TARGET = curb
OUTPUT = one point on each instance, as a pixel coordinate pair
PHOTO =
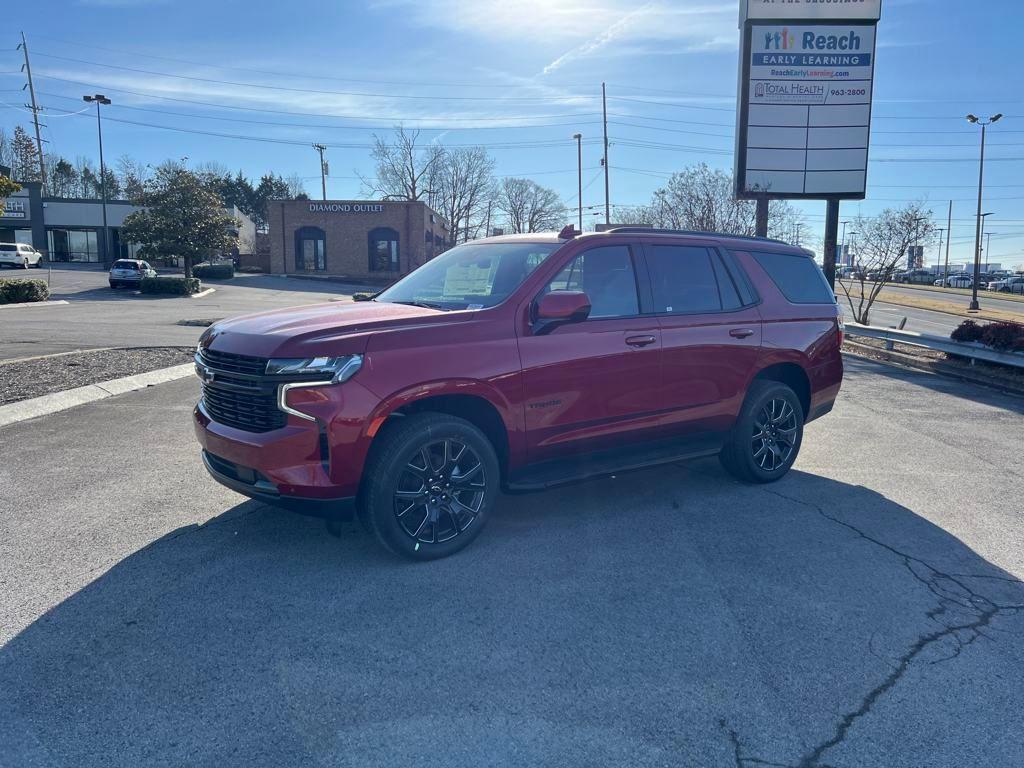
(61, 401)
(34, 304)
(937, 367)
(200, 295)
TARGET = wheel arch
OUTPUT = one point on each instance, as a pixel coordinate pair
(794, 376)
(471, 401)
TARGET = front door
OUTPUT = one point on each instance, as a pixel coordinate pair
(711, 339)
(593, 385)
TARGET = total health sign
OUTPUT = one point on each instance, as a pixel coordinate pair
(803, 124)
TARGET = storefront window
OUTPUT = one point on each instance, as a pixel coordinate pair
(73, 245)
(310, 249)
(384, 254)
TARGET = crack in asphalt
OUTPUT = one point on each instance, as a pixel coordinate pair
(953, 594)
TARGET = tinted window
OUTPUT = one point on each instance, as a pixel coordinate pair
(683, 280)
(607, 277)
(8, 247)
(470, 276)
(797, 276)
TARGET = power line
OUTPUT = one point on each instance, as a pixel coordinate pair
(318, 91)
(422, 118)
(306, 125)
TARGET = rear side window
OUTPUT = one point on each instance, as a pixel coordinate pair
(687, 279)
(797, 276)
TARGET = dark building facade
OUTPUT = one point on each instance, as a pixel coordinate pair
(365, 239)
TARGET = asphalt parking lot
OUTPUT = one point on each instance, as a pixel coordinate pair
(864, 611)
(98, 316)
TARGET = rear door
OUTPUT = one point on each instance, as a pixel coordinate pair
(593, 385)
(710, 331)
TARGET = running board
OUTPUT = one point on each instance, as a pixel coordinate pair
(548, 474)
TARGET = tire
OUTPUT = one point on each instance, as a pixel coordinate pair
(755, 459)
(113, 284)
(411, 499)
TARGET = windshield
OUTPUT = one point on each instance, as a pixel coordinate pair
(471, 276)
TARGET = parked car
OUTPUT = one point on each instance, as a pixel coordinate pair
(1009, 285)
(522, 362)
(19, 255)
(956, 281)
(129, 273)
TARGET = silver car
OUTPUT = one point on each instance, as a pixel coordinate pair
(129, 273)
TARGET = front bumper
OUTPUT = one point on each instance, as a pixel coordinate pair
(251, 483)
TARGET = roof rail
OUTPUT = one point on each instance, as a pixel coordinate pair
(658, 231)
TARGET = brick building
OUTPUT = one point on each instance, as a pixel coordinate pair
(366, 239)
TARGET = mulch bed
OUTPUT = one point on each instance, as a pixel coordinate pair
(22, 379)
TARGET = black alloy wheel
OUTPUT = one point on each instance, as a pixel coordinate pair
(440, 492)
(774, 439)
(766, 438)
(429, 485)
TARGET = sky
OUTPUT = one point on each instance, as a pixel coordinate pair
(251, 84)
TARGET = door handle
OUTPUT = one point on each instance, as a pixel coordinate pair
(741, 333)
(640, 341)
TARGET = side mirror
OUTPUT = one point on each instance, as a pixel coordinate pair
(559, 308)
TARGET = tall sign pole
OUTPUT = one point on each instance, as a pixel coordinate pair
(804, 117)
(35, 110)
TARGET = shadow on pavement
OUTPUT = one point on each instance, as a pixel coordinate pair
(667, 617)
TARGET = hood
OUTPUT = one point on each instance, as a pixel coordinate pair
(334, 328)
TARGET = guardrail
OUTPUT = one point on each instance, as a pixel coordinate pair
(971, 350)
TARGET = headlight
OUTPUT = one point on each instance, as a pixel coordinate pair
(339, 369)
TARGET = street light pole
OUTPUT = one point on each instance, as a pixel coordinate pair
(579, 172)
(981, 185)
(842, 248)
(938, 261)
(99, 98)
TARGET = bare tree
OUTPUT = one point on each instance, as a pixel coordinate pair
(6, 153)
(133, 175)
(882, 242)
(402, 165)
(296, 187)
(700, 198)
(529, 207)
(462, 182)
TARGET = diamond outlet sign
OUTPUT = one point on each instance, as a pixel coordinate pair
(805, 99)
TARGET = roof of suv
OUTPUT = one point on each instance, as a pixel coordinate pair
(733, 241)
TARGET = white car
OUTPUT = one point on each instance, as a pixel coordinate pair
(129, 273)
(1009, 285)
(956, 281)
(19, 255)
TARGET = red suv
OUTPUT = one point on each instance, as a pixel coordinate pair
(517, 363)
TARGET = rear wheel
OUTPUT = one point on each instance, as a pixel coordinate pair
(114, 284)
(429, 485)
(766, 438)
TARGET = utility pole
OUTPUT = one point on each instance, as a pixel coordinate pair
(579, 172)
(949, 236)
(323, 169)
(604, 162)
(35, 110)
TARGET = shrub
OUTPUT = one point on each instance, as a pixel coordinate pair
(1006, 337)
(214, 271)
(968, 330)
(251, 269)
(21, 291)
(175, 286)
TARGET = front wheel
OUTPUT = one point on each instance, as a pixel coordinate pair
(429, 485)
(766, 438)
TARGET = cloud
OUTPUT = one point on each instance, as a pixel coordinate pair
(618, 29)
